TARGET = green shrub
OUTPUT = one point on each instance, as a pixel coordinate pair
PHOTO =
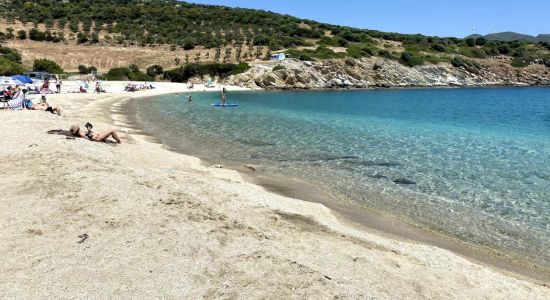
(327, 41)
(300, 55)
(86, 70)
(278, 67)
(37, 35)
(470, 66)
(118, 74)
(22, 34)
(470, 42)
(411, 60)
(127, 74)
(439, 48)
(46, 65)
(9, 67)
(155, 70)
(10, 54)
(343, 42)
(82, 69)
(183, 74)
(358, 51)
(520, 52)
(134, 68)
(81, 38)
(473, 52)
(480, 41)
(432, 59)
(385, 53)
(520, 62)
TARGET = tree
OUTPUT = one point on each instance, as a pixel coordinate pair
(22, 34)
(36, 35)
(480, 41)
(154, 70)
(82, 69)
(504, 49)
(9, 67)
(81, 38)
(46, 65)
(134, 68)
(470, 42)
(10, 54)
(439, 47)
(411, 60)
(95, 38)
(10, 35)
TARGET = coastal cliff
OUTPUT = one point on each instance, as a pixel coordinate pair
(386, 73)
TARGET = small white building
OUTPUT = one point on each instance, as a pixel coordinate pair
(278, 56)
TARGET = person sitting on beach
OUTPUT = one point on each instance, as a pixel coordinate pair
(82, 90)
(98, 88)
(8, 92)
(17, 100)
(100, 137)
(45, 89)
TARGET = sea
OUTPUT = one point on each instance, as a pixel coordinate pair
(471, 163)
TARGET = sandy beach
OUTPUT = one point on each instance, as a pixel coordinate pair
(81, 219)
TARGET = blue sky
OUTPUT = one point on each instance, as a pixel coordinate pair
(430, 17)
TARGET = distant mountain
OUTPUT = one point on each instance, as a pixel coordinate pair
(513, 36)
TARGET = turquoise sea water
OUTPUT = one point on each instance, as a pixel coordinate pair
(473, 163)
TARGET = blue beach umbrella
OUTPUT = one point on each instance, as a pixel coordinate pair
(22, 78)
(18, 82)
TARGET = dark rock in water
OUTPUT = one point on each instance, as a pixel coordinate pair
(378, 176)
(322, 157)
(404, 181)
(388, 164)
(255, 143)
(376, 163)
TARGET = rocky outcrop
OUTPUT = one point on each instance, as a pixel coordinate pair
(379, 72)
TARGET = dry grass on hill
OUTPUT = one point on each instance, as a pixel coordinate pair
(104, 56)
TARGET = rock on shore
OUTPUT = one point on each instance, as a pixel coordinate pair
(380, 72)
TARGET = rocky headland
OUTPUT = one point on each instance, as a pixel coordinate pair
(376, 72)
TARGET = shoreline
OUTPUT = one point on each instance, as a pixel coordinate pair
(360, 215)
(169, 207)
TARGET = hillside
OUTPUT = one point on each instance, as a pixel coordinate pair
(171, 34)
(513, 36)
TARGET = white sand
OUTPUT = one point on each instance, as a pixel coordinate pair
(161, 225)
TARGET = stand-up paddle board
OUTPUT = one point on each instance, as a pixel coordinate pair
(225, 105)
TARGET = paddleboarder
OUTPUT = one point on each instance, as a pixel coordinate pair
(223, 96)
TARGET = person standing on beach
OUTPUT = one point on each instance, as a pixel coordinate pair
(223, 96)
(58, 85)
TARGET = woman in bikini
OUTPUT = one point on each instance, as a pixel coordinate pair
(100, 137)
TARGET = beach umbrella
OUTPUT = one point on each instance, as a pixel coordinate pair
(18, 82)
(7, 81)
(22, 78)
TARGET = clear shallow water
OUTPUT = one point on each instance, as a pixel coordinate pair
(479, 158)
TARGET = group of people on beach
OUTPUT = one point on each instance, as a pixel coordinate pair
(132, 87)
(16, 99)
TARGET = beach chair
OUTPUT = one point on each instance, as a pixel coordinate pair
(4, 101)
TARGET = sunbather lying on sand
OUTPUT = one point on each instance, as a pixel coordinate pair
(100, 137)
(54, 109)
